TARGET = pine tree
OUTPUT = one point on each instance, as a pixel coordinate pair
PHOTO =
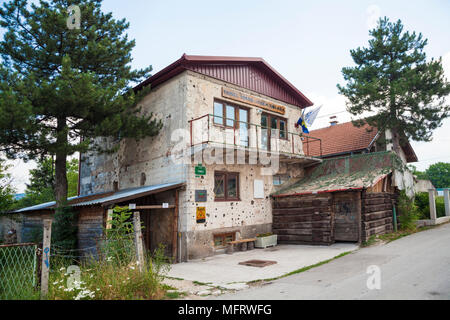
(394, 82)
(61, 88)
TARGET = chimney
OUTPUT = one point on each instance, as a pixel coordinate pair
(333, 121)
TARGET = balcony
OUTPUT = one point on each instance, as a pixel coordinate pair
(289, 146)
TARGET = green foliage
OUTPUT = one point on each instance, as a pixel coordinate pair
(6, 190)
(407, 212)
(439, 175)
(419, 174)
(423, 205)
(42, 183)
(57, 85)
(64, 229)
(393, 79)
(118, 247)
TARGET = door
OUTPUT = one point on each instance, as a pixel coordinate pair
(347, 216)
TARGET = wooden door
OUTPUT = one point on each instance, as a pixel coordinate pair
(347, 216)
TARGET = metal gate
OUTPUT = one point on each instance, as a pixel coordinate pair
(19, 267)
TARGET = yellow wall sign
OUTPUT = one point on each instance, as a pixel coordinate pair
(201, 214)
(254, 101)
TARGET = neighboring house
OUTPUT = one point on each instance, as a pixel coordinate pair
(348, 197)
(237, 109)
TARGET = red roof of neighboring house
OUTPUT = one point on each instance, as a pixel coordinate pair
(346, 138)
(342, 138)
(251, 73)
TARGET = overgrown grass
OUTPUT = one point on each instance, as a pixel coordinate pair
(109, 280)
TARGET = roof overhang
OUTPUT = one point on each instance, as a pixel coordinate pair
(186, 61)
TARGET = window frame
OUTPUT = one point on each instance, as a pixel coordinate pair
(270, 117)
(225, 175)
(236, 120)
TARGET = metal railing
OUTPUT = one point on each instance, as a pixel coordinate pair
(213, 129)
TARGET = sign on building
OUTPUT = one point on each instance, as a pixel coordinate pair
(201, 214)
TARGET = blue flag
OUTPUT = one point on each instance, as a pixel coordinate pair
(301, 122)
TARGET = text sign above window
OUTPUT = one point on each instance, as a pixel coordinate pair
(254, 101)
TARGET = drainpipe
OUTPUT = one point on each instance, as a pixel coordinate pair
(394, 211)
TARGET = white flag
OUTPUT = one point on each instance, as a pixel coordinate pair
(311, 117)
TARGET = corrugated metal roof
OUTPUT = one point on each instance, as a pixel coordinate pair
(131, 193)
(116, 197)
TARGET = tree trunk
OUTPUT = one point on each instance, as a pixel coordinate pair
(61, 165)
(395, 141)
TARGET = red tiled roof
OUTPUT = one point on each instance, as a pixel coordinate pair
(342, 138)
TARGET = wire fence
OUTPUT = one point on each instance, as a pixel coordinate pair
(19, 269)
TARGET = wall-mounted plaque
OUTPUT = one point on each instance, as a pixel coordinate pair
(200, 170)
(253, 100)
(201, 196)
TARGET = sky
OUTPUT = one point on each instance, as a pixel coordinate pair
(308, 42)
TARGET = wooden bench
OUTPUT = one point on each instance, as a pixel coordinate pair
(245, 244)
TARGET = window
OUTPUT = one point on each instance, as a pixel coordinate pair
(278, 126)
(278, 180)
(221, 240)
(226, 186)
(229, 115)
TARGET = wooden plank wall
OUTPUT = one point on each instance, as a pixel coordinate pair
(304, 219)
(90, 229)
(377, 215)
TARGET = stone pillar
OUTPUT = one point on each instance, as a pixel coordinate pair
(432, 196)
(447, 202)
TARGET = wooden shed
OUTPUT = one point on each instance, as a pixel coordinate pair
(160, 223)
(344, 199)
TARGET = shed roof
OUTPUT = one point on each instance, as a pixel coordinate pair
(251, 73)
(343, 174)
(107, 198)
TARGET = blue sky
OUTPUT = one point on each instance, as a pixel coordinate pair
(308, 42)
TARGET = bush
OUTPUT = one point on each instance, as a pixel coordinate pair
(408, 213)
(423, 205)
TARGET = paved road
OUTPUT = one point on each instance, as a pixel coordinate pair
(414, 267)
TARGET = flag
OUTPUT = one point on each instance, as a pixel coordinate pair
(301, 122)
(311, 117)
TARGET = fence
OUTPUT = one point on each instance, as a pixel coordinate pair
(19, 269)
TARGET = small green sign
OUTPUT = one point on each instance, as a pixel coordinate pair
(200, 170)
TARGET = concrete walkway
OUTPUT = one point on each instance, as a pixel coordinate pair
(224, 269)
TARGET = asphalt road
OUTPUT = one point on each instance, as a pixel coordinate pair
(414, 267)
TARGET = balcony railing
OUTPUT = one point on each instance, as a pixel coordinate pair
(251, 136)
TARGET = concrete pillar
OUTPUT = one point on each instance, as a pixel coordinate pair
(447, 202)
(432, 196)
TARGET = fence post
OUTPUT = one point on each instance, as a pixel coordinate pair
(138, 240)
(432, 198)
(45, 267)
(447, 202)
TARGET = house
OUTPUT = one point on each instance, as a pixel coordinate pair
(228, 142)
(351, 195)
